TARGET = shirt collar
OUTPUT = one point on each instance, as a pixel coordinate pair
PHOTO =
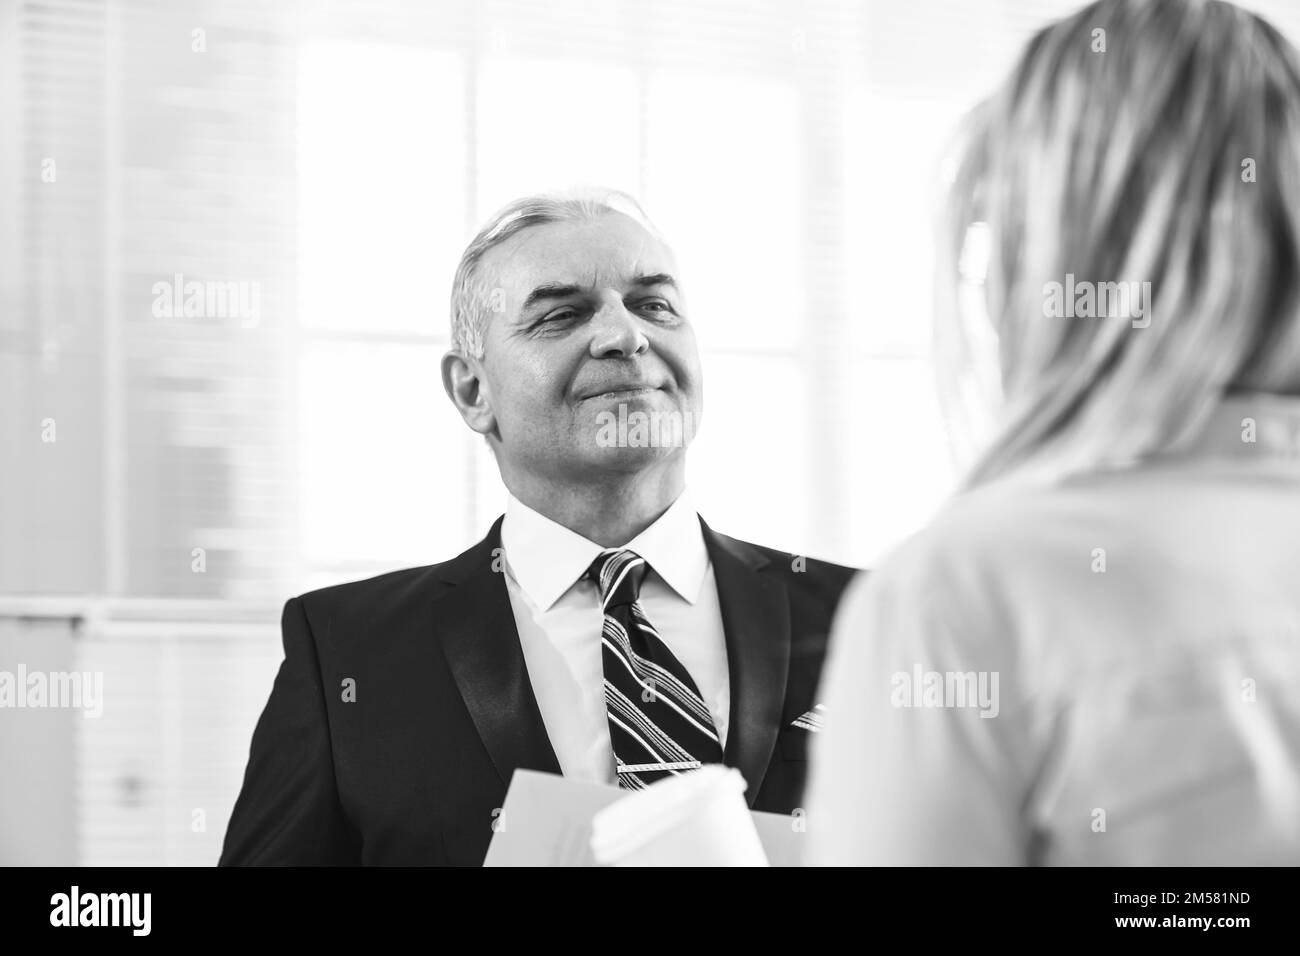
(546, 558)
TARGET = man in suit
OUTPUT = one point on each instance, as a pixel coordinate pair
(600, 630)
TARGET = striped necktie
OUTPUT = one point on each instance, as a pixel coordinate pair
(658, 723)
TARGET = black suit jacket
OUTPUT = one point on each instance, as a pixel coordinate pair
(410, 771)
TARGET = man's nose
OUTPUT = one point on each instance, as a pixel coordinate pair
(617, 333)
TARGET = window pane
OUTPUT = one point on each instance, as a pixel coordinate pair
(547, 125)
(900, 463)
(381, 185)
(384, 460)
(724, 185)
(749, 469)
(159, 770)
(892, 151)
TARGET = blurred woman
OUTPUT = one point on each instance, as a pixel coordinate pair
(1092, 654)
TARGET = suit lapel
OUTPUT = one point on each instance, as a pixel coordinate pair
(481, 644)
(482, 647)
(756, 621)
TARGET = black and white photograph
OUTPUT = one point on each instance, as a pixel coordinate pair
(651, 433)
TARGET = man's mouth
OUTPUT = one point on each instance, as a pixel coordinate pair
(619, 391)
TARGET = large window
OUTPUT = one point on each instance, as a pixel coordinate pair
(811, 323)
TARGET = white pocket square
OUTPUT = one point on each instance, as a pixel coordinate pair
(814, 720)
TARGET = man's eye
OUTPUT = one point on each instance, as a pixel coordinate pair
(656, 305)
(560, 315)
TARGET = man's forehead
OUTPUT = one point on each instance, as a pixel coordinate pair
(610, 250)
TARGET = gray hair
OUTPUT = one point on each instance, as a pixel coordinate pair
(472, 302)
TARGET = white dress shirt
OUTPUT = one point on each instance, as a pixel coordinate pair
(1144, 626)
(560, 620)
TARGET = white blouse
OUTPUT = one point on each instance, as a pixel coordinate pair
(1104, 672)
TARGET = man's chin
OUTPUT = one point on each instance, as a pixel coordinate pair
(644, 428)
(628, 459)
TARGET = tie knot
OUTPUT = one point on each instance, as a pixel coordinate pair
(618, 573)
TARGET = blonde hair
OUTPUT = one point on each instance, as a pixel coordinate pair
(471, 299)
(1128, 163)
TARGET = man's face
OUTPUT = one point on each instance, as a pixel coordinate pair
(593, 331)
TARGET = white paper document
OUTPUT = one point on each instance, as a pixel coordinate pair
(546, 821)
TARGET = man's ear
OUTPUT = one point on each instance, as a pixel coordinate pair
(462, 377)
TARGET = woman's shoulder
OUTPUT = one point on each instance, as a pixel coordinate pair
(996, 531)
(990, 557)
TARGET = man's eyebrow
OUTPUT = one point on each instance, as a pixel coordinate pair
(550, 290)
(555, 290)
(659, 278)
